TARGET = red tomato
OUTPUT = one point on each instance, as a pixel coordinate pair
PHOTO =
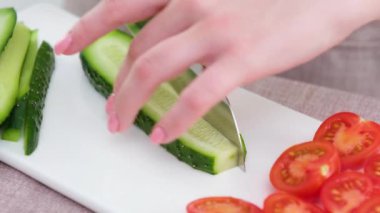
(376, 192)
(346, 191)
(353, 137)
(222, 205)
(286, 203)
(370, 206)
(372, 169)
(303, 168)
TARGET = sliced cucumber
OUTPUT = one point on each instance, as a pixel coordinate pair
(15, 122)
(8, 19)
(11, 61)
(135, 28)
(202, 147)
(30, 60)
(39, 84)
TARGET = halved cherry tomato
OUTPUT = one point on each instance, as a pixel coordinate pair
(222, 205)
(302, 169)
(372, 169)
(354, 138)
(346, 191)
(286, 203)
(370, 206)
(376, 192)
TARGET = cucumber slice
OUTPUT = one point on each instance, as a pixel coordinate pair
(15, 122)
(39, 84)
(30, 60)
(8, 19)
(202, 147)
(135, 28)
(11, 61)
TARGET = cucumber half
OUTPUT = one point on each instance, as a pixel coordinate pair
(38, 88)
(202, 146)
(11, 62)
(8, 19)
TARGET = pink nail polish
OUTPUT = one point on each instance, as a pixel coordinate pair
(63, 45)
(110, 103)
(158, 135)
(113, 123)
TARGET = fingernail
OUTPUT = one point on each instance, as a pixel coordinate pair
(113, 123)
(63, 45)
(158, 135)
(110, 103)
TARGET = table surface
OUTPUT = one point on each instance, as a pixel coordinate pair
(20, 193)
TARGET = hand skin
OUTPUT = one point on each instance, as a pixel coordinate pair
(238, 42)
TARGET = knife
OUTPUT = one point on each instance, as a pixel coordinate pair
(221, 116)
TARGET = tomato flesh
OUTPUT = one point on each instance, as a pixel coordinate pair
(222, 205)
(344, 192)
(302, 169)
(372, 169)
(370, 206)
(286, 203)
(353, 137)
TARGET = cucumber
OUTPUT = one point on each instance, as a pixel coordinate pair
(8, 19)
(11, 61)
(15, 122)
(202, 147)
(135, 28)
(39, 84)
(30, 59)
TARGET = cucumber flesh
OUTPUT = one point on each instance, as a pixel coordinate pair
(202, 136)
(39, 84)
(202, 147)
(8, 19)
(11, 61)
(30, 59)
(109, 52)
(135, 28)
(15, 122)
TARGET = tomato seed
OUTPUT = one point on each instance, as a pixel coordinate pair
(335, 192)
(346, 186)
(336, 125)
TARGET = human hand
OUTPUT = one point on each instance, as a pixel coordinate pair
(238, 41)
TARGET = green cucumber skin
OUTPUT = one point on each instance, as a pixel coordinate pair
(145, 123)
(42, 72)
(15, 122)
(7, 29)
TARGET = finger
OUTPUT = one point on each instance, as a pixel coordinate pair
(170, 21)
(104, 17)
(159, 64)
(196, 100)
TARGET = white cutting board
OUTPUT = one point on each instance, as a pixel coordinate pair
(78, 157)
